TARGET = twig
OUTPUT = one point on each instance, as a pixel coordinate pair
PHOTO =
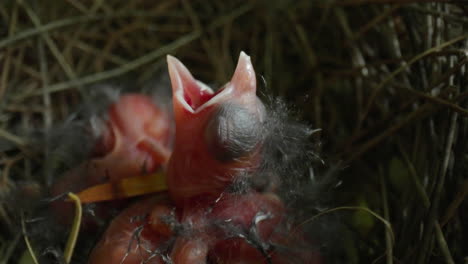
(459, 198)
(404, 67)
(414, 178)
(69, 22)
(388, 238)
(387, 224)
(8, 55)
(437, 100)
(171, 47)
(460, 19)
(110, 57)
(25, 68)
(120, 70)
(426, 203)
(13, 138)
(195, 20)
(432, 217)
(443, 244)
(421, 112)
(26, 239)
(78, 5)
(72, 238)
(50, 43)
(372, 23)
(113, 39)
(10, 249)
(357, 59)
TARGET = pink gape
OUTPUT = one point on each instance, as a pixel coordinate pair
(218, 142)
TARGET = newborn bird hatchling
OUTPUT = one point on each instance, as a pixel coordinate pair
(208, 216)
(134, 140)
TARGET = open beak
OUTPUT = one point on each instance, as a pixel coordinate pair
(187, 91)
(194, 95)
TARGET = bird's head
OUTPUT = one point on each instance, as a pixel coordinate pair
(217, 133)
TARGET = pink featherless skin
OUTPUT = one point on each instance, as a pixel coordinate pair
(152, 229)
(218, 141)
(130, 237)
(134, 141)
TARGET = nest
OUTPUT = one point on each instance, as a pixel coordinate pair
(385, 81)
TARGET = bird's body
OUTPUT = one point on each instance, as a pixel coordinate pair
(153, 229)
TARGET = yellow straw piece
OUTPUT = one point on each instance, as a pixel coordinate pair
(127, 187)
(68, 252)
(28, 243)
